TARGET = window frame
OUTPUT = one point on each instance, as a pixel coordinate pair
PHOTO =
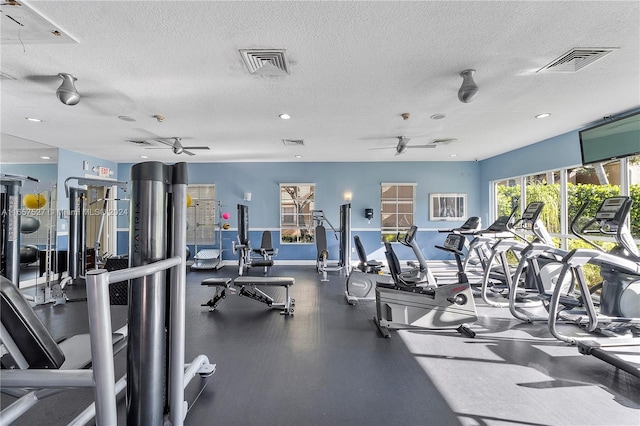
(300, 232)
(397, 201)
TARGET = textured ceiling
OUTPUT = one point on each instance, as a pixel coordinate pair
(355, 67)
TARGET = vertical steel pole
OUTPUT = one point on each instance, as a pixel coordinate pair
(12, 231)
(77, 233)
(147, 295)
(101, 347)
(177, 298)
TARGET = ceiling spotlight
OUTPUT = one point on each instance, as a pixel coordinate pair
(284, 116)
(67, 92)
(543, 115)
(45, 157)
(35, 120)
(144, 156)
(298, 156)
(468, 90)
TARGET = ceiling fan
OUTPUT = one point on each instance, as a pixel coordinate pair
(173, 144)
(403, 144)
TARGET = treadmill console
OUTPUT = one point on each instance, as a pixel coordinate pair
(410, 235)
(611, 209)
(454, 242)
(500, 225)
(533, 211)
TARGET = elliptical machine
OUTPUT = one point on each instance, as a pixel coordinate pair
(540, 265)
(614, 320)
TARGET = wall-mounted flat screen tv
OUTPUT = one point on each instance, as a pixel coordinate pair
(614, 139)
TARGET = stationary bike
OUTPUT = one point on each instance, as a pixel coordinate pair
(408, 303)
(361, 282)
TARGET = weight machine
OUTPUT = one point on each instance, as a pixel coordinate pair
(249, 257)
(77, 216)
(157, 374)
(343, 235)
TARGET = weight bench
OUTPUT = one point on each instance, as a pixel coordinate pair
(224, 284)
(255, 294)
(221, 285)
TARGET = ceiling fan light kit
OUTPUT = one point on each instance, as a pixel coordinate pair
(469, 89)
(67, 92)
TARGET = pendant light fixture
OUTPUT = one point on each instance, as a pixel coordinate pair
(67, 92)
(469, 89)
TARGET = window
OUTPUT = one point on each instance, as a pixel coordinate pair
(507, 193)
(545, 187)
(634, 192)
(397, 207)
(297, 202)
(565, 191)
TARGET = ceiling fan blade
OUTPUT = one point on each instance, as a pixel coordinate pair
(421, 146)
(195, 147)
(184, 151)
(162, 141)
(159, 147)
(384, 147)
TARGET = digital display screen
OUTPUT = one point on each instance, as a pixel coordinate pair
(614, 139)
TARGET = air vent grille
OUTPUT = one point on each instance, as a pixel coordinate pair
(293, 142)
(576, 59)
(266, 61)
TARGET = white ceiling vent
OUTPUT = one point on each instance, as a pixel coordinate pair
(293, 142)
(266, 61)
(23, 25)
(576, 59)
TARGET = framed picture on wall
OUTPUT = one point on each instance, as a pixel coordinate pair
(451, 207)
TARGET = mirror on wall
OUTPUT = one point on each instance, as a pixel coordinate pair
(30, 170)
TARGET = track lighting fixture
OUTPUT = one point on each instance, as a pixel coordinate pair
(468, 90)
(67, 92)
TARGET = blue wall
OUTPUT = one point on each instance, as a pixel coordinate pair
(332, 180)
(46, 173)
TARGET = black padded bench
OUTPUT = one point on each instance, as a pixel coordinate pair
(248, 288)
(222, 284)
(254, 293)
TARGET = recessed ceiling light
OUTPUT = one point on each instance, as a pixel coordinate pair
(284, 116)
(45, 157)
(35, 120)
(143, 156)
(438, 116)
(543, 115)
(452, 155)
(298, 156)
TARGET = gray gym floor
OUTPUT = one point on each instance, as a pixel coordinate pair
(327, 365)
